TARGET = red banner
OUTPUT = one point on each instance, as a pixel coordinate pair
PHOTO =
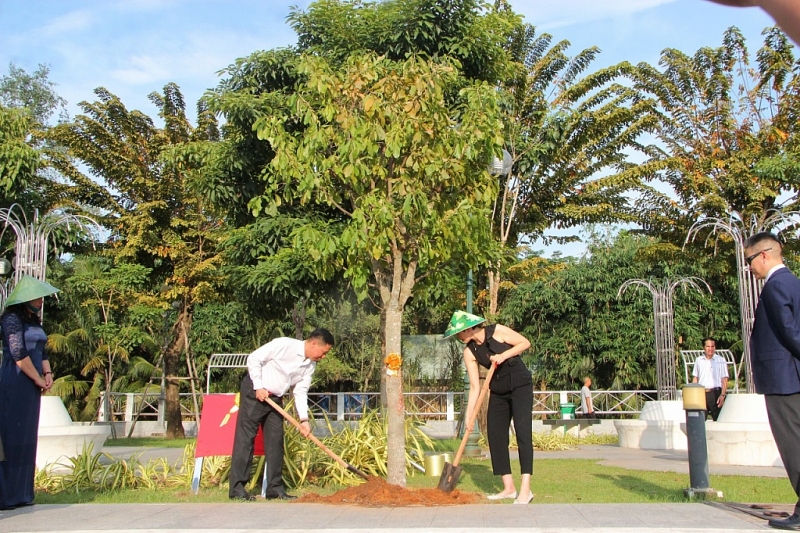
(218, 425)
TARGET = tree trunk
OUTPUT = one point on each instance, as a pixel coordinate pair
(494, 289)
(299, 318)
(384, 401)
(395, 281)
(172, 416)
(396, 467)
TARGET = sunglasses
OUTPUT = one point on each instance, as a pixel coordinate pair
(749, 258)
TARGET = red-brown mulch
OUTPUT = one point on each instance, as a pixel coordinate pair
(378, 493)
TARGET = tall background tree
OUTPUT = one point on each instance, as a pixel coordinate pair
(156, 217)
(569, 134)
(728, 135)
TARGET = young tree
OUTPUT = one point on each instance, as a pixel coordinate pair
(378, 141)
(397, 198)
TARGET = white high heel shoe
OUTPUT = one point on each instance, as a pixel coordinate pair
(520, 502)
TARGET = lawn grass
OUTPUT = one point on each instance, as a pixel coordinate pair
(150, 442)
(587, 481)
(554, 481)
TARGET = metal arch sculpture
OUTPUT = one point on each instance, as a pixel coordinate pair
(749, 287)
(664, 327)
(32, 238)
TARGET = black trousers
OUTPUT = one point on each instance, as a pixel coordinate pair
(784, 419)
(252, 414)
(712, 395)
(516, 405)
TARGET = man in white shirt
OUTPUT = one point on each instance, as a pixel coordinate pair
(587, 408)
(711, 371)
(272, 370)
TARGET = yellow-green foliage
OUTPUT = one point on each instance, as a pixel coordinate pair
(552, 441)
(102, 472)
(363, 445)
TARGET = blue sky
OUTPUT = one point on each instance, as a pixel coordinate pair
(134, 47)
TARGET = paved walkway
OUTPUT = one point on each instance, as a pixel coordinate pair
(295, 517)
(283, 517)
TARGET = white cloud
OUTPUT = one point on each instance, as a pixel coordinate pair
(186, 58)
(553, 14)
(66, 24)
(143, 69)
(134, 6)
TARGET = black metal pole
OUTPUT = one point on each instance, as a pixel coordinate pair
(698, 452)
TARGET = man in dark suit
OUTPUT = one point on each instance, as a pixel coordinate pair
(775, 355)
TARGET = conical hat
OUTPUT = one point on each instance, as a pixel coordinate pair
(29, 288)
(460, 321)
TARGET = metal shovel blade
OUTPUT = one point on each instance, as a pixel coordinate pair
(449, 478)
(357, 472)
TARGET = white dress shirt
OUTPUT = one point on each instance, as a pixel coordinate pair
(710, 372)
(279, 365)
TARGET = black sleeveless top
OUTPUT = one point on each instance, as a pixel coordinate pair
(509, 374)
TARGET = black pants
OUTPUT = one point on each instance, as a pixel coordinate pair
(252, 414)
(712, 395)
(784, 419)
(517, 404)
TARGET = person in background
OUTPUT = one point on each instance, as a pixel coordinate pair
(272, 370)
(24, 375)
(511, 396)
(587, 407)
(785, 12)
(711, 371)
(775, 355)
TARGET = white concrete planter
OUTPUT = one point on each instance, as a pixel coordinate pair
(60, 437)
(742, 435)
(658, 427)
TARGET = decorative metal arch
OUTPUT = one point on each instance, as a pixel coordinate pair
(749, 287)
(32, 238)
(664, 327)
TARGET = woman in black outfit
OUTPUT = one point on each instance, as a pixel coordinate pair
(511, 396)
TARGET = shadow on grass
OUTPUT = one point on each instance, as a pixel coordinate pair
(641, 487)
(481, 476)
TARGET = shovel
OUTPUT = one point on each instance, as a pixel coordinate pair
(315, 440)
(451, 472)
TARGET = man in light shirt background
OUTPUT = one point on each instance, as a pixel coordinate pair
(272, 370)
(711, 371)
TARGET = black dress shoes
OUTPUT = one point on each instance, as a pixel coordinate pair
(243, 497)
(792, 523)
(280, 495)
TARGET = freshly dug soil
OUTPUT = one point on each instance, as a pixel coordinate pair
(378, 493)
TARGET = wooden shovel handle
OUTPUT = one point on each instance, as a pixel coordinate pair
(471, 421)
(315, 440)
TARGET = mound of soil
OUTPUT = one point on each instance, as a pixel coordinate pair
(378, 493)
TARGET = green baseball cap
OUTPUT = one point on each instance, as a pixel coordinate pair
(28, 289)
(460, 321)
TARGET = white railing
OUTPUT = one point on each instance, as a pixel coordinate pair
(427, 405)
(608, 403)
